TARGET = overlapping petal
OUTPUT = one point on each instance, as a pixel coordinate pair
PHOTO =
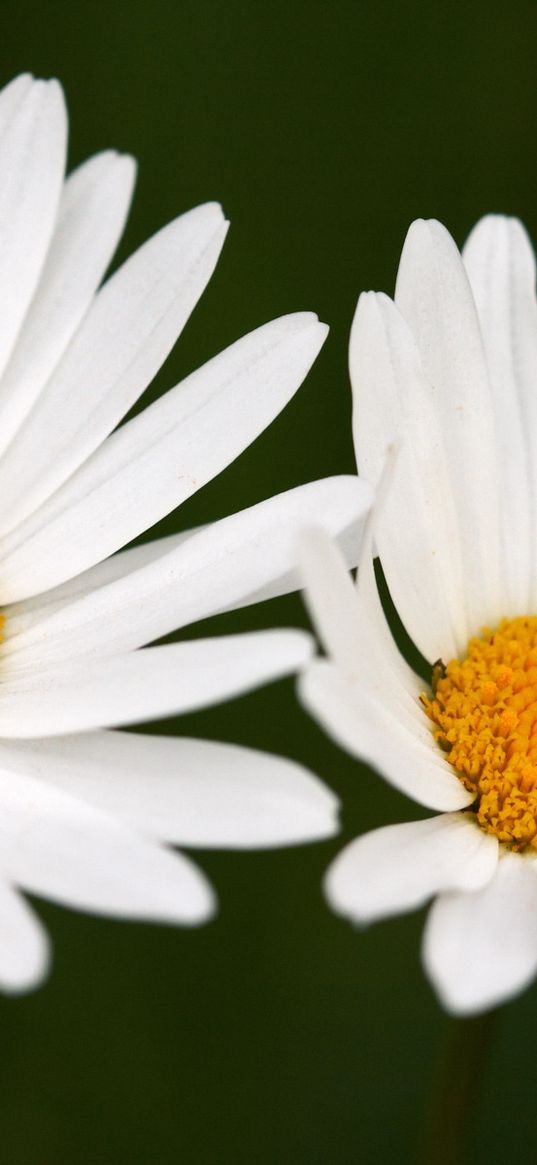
(91, 216)
(371, 734)
(434, 296)
(146, 592)
(191, 792)
(129, 330)
(33, 136)
(446, 375)
(365, 695)
(422, 558)
(501, 268)
(55, 845)
(161, 457)
(399, 867)
(83, 811)
(480, 948)
(145, 685)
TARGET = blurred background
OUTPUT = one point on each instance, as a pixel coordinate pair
(276, 1034)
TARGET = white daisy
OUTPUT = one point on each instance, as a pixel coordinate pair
(83, 810)
(448, 373)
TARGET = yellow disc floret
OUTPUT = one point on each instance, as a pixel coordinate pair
(485, 711)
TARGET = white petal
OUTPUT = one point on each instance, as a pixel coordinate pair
(194, 792)
(398, 868)
(91, 217)
(22, 616)
(434, 296)
(242, 559)
(330, 596)
(11, 96)
(391, 404)
(501, 267)
(375, 736)
(161, 457)
(147, 684)
(32, 160)
(391, 672)
(53, 845)
(480, 949)
(24, 945)
(28, 613)
(125, 337)
(353, 628)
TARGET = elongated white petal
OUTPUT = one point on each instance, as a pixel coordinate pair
(353, 628)
(343, 619)
(481, 948)
(501, 267)
(391, 673)
(391, 404)
(434, 296)
(242, 559)
(32, 160)
(91, 217)
(398, 868)
(55, 846)
(194, 792)
(145, 685)
(164, 455)
(330, 596)
(11, 96)
(28, 613)
(131, 327)
(361, 726)
(24, 946)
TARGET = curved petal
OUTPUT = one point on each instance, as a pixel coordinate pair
(126, 335)
(330, 596)
(53, 845)
(164, 455)
(24, 945)
(361, 726)
(398, 868)
(499, 259)
(11, 97)
(21, 618)
(193, 792)
(32, 161)
(352, 627)
(91, 217)
(239, 560)
(147, 684)
(422, 558)
(480, 948)
(434, 296)
(390, 659)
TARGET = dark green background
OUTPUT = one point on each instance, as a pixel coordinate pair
(275, 1034)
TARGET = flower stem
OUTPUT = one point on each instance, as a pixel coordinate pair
(457, 1087)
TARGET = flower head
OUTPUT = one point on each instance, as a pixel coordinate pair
(84, 810)
(445, 373)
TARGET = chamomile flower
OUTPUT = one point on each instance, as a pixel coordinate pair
(84, 809)
(446, 373)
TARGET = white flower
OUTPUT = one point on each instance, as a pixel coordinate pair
(83, 810)
(448, 374)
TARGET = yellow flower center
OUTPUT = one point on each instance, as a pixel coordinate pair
(485, 711)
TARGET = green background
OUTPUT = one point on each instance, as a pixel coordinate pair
(276, 1034)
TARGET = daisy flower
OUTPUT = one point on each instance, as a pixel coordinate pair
(446, 374)
(84, 810)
